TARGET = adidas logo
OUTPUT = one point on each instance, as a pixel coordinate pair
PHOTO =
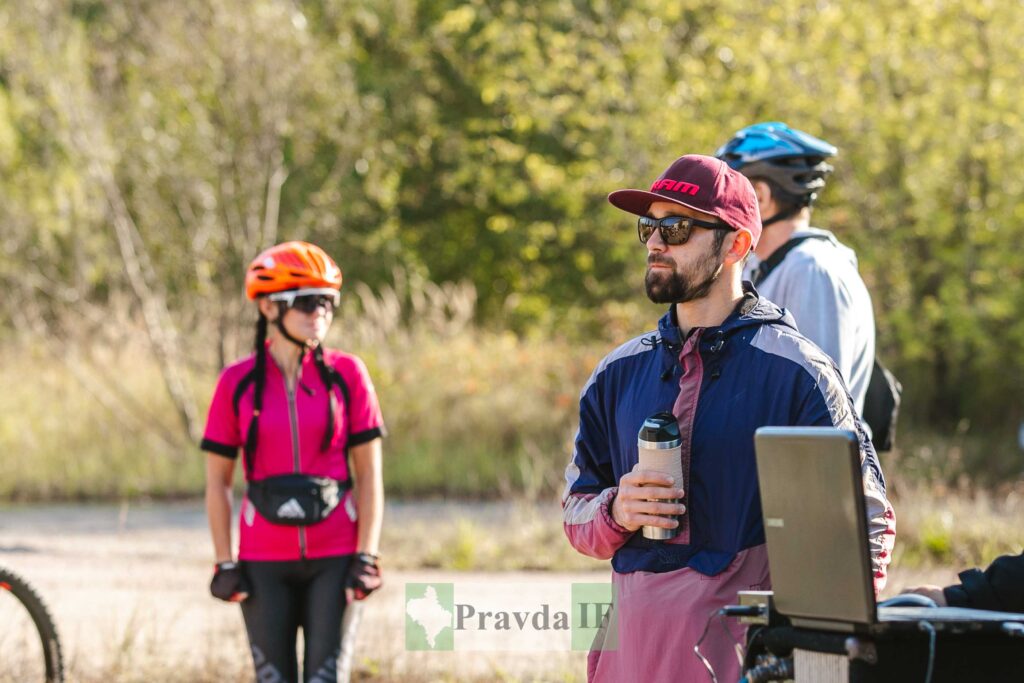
(291, 510)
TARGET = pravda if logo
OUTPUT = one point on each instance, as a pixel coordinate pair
(533, 616)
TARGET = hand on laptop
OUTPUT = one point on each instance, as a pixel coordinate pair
(930, 591)
(631, 508)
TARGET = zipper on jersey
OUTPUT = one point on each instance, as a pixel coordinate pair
(293, 418)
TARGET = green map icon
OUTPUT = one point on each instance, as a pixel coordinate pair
(429, 616)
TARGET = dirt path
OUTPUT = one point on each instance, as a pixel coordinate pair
(127, 586)
(128, 589)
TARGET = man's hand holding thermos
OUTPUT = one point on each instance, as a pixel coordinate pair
(649, 496)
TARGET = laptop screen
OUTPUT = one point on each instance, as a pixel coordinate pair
(812, 498)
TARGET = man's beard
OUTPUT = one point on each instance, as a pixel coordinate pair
(676, 287)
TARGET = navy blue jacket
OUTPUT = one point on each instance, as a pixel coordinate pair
(722, 383)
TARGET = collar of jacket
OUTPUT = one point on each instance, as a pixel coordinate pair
(752, 310)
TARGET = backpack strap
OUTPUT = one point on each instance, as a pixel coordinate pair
(769, 264)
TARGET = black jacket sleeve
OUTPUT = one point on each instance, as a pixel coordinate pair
(1000, 587)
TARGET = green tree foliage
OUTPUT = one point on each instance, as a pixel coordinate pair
(476, 141)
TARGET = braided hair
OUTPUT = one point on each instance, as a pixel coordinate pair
(260, 376)
(259, 380)
(332, 401)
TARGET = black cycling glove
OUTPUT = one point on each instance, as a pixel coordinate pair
(228, 582)
(363, 576)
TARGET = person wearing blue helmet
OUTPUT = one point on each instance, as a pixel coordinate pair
(803, 269)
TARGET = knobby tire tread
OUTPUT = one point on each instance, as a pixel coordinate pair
(23, 591)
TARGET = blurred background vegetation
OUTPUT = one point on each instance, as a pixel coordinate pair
(454, 158)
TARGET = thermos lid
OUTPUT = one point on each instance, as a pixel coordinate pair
(660, 431)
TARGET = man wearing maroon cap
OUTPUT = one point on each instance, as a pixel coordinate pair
(724, 362)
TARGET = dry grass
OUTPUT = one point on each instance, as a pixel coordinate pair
(937, 531)
(473, 411)
(941, 526)
(483, 537)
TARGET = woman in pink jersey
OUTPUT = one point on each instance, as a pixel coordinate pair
(309, 427)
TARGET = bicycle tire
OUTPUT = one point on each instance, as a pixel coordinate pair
(23, 591)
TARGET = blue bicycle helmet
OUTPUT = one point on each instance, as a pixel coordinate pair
(791, 159)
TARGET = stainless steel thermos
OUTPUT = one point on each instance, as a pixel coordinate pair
(659, 444)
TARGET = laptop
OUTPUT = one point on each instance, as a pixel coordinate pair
(812, 500)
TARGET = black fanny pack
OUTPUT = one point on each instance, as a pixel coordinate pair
(296, 499)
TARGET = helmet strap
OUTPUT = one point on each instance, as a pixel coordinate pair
(788, 212)
(780, 216)
(282, 308)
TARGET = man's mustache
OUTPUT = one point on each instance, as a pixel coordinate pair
(653, 259)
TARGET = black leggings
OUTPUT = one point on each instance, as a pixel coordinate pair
(286, 596)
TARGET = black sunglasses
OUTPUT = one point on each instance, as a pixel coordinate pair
(674, 229)
(306, 303)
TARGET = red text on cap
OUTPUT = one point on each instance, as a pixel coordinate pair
(680, 186)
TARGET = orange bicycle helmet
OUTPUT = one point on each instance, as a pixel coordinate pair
(292, 266)
(283, 273)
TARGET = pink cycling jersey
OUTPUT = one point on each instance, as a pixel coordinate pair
(291, 431)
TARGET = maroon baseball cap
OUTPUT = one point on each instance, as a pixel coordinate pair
(703, 183)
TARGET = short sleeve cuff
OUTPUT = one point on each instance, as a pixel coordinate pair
(218, 448)
(366, 436)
